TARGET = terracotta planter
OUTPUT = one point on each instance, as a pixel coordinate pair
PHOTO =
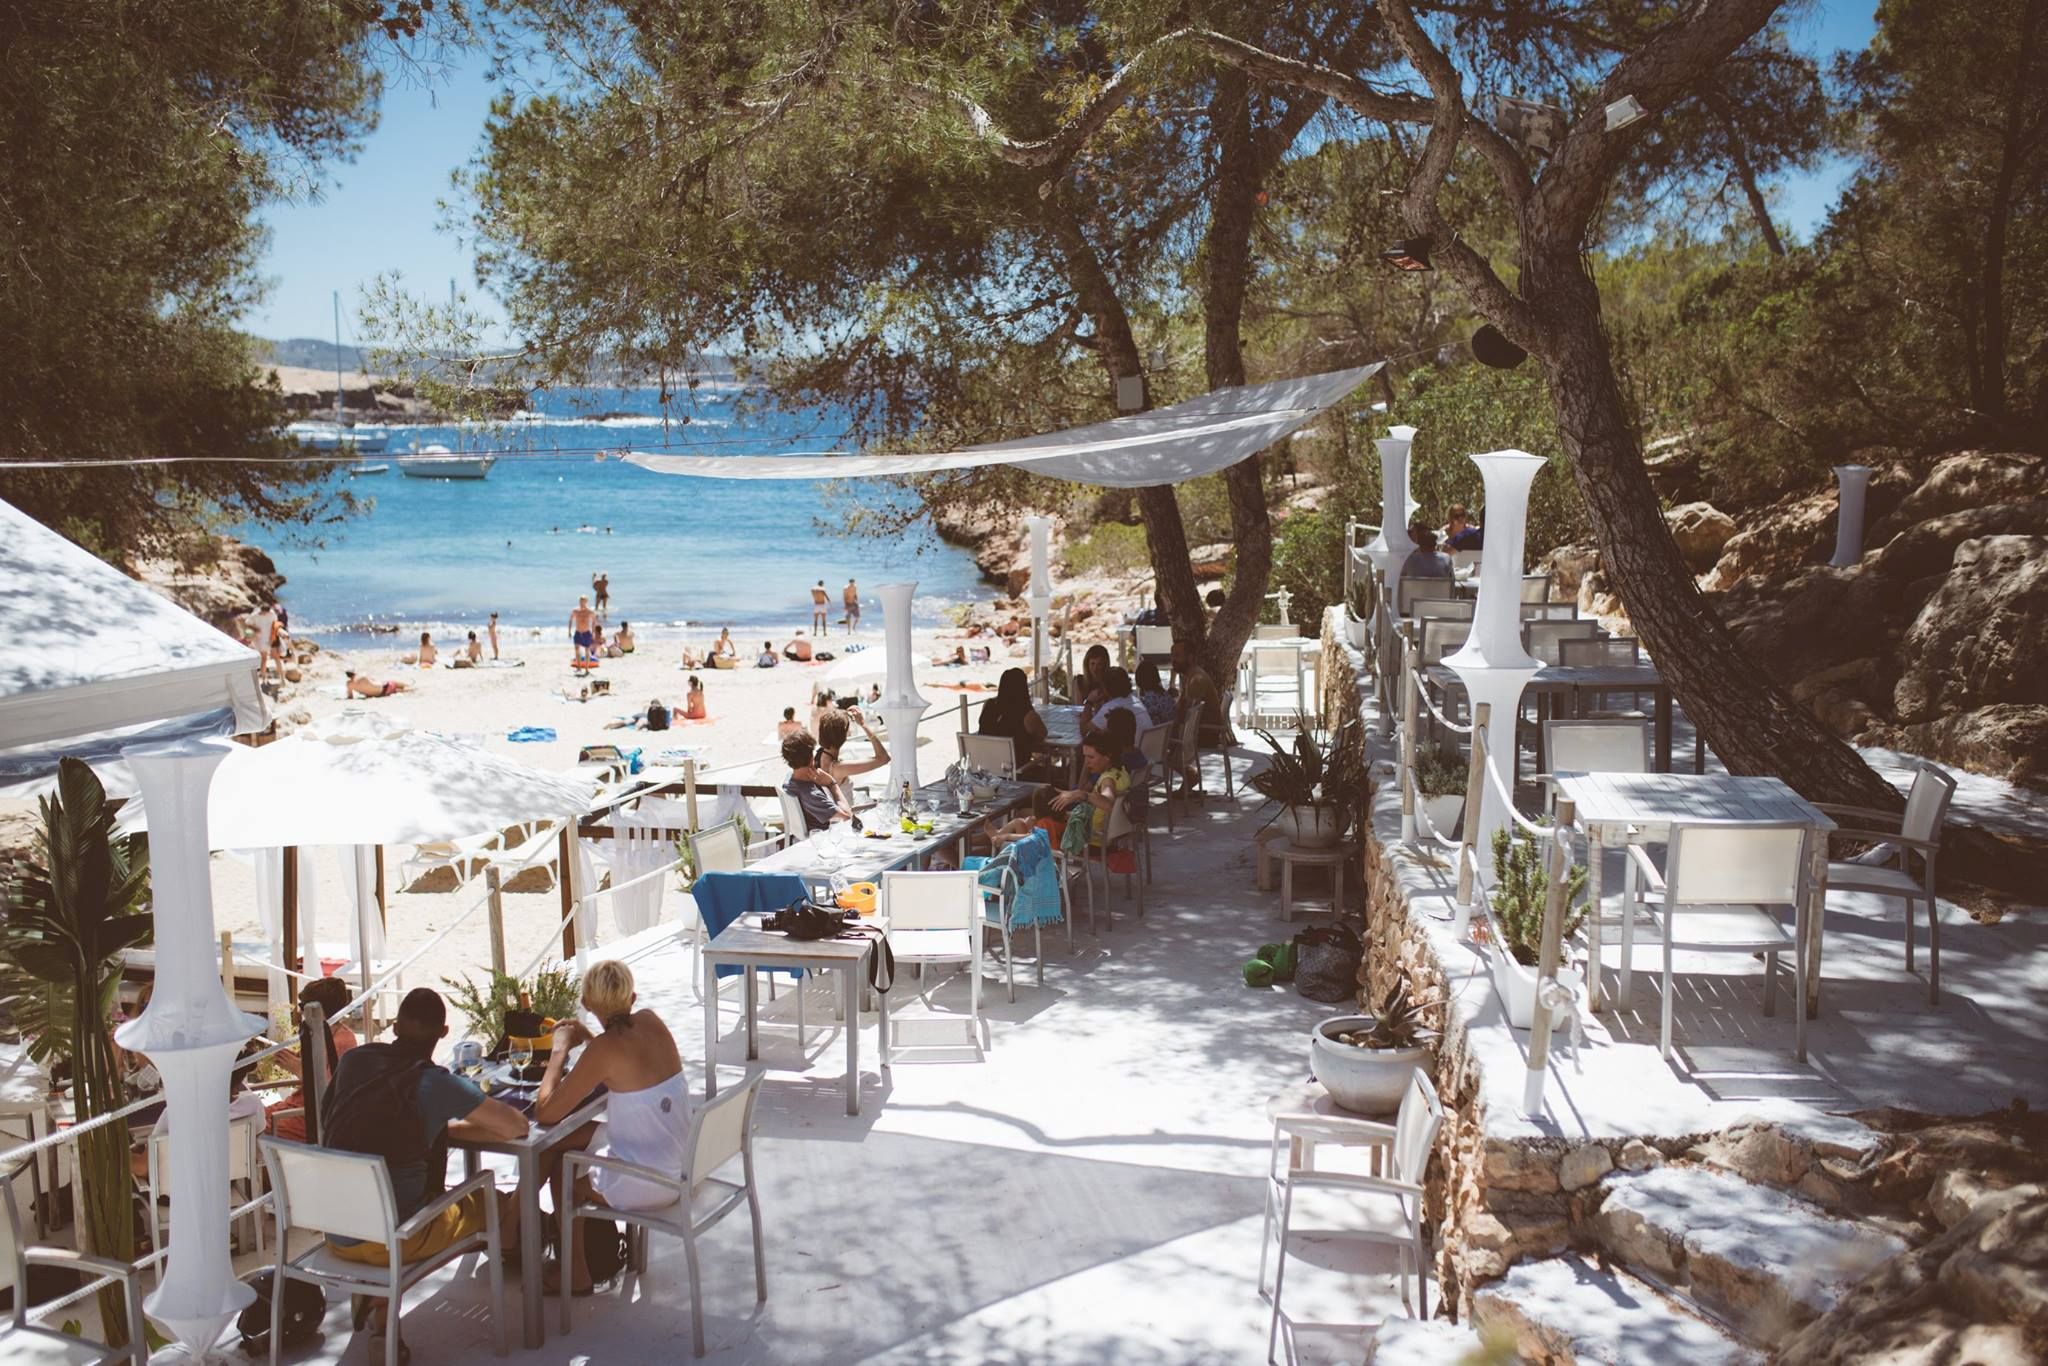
(1516, 985)
(1312, 827)
(1370, 1081)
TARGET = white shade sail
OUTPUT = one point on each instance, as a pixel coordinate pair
(400, 787)
(1165, 446)
(92, 659)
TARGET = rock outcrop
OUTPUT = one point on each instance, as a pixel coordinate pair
(235, 580)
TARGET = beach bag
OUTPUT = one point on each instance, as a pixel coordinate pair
(1326, 963)
(604, 1249)
(806, 921)
(304, 1308)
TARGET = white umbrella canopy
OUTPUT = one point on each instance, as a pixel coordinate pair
(371, 781)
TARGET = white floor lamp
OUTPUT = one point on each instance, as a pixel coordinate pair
(1494, 664)
(192, 1032)
(1040, 593)
(901, 706)
(1855, 482)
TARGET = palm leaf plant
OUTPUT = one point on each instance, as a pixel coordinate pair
(70, 916)
(1316, 772)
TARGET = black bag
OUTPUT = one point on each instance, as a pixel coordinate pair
(806, 921)
(1326, 964)
(604, 1249)
(304, 1308)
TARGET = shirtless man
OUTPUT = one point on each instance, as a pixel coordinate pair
(851, 597)
(601, 587)
(583, 629)
(493, 630)
(369, 687)
(798, 649)
(820, 613)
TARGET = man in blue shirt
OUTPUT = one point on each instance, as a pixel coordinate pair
(812, 787)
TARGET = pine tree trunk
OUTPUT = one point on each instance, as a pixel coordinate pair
(1749, 720)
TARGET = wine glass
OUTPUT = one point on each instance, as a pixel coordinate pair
(519, 1052)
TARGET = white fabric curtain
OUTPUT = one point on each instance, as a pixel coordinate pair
(270, 908)
(636, 851)
(1165, 446)
(359, 891)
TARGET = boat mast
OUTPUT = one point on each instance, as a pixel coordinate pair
(337, 358)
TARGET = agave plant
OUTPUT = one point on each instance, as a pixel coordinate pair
(1398, 1022)
(1314, 771)
(68, 920)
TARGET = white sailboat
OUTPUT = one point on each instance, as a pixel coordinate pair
(335, 435)
(438, 462)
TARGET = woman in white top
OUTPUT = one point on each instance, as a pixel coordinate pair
(647, 1108)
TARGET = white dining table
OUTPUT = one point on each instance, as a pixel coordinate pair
(1614, 809)
(856, 857)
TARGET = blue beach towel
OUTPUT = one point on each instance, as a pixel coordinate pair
(524, 735)
(1038, 885)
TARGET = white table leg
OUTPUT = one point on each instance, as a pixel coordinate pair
(753, 995)
(1594, 845)
(848, 987)
(710, 969)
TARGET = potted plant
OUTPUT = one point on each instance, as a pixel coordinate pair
(1440, 787)
(1318, 782)
(551, 993)
(1357, 613)
(1520, 888)
(71, 915)
(1363, 1061)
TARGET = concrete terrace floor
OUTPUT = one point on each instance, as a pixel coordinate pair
(1089, 1193)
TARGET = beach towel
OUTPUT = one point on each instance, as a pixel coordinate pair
(724, 897)
(1038, 887)
(527, 735)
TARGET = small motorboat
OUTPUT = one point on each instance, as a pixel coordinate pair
(358, 471)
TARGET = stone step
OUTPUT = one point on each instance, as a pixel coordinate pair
(1567, 1312)
(1766, 1261)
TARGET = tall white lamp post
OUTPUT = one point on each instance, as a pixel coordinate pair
(1493, 663)
(192, 1033)
(1040, 590)
(1392, 545)
(1855, 482)
(901, 706)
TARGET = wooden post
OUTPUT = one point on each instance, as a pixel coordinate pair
(313, 1065)
(290, 911)
(227, 963)
(963, 713)
(565, 880)
(1557, 863)
(1475, 790)
(493, 880)
(383, 900)
(1408, 714)
(690, 790)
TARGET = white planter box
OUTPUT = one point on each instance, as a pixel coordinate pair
(1517, 987)
(1443, 813)
(1354, 630)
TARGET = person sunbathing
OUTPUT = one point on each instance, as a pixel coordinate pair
(694, 706)
(370, 687)
(798, 650)
(427, 655)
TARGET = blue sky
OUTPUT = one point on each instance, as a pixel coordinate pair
(380, 213)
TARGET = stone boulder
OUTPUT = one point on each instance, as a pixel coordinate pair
(1978, 1293)
(1800, 529)
(1982, 637)
(1968, 479)
(1701, 530)
(1568, 566)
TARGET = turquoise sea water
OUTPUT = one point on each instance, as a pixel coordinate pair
(681, 553)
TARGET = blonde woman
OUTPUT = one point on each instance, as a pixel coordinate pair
(647, 1109)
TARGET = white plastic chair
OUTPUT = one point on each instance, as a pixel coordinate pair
(1183, 751)
(349, 1194)
(1441, 636)
(1465, 561)
(1153, 642)
(1718, 892)
(721, 849)
(244, 1165)
(1915, 832)
(995, 753)
(1412, 588)
(1456, 609)
(23, 1343)
(1120, 834)
(721, 1130)
(1535, 588)
(1269, 632)
(1541, 638)
(794, 825)
(1597, 746)
(1277, 692)
(1386, 1206)
(1151, 744)
(935, 918)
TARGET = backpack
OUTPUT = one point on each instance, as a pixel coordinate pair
(374, 1105)
(304, 1308)
(604, 1246)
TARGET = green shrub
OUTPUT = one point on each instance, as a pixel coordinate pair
(1109, 548)
(1308, 561)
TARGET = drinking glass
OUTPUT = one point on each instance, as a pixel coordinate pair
(520, 1054)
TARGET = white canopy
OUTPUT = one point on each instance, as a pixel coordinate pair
(93, 660)
(359, 786)
(1165, 446)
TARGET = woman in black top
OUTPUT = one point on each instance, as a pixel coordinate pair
(1010, 713)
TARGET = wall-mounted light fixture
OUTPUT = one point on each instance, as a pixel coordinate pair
(1408, 253)
(1623, 112)
(1537, 126)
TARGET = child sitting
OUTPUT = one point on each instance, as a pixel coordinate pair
(1042, 817)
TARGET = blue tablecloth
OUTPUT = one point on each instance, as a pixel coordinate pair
(724, 897)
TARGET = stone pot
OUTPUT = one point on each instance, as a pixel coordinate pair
(1312, 827)
(1516, 986)
(1370, 1081)
(1443, 811)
